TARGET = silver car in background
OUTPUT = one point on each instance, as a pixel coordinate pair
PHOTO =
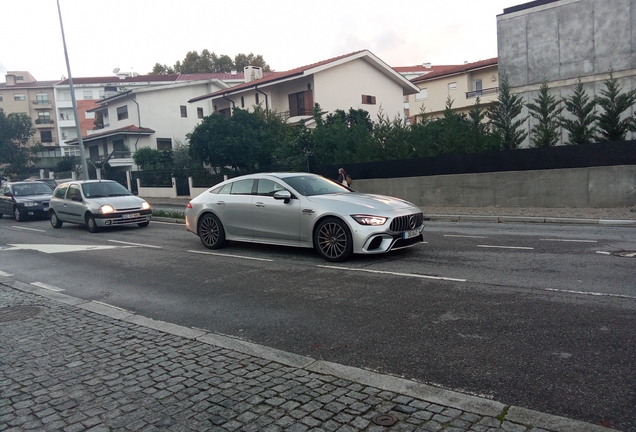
(303, 210)
(97, 204)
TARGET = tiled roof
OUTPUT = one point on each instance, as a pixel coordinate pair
(115, 80)
(219, 75)
(30, 84)
(276, 76)
(452, 70)
(128, 130)
(421, 68)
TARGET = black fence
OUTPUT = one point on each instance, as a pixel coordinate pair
(559, 157)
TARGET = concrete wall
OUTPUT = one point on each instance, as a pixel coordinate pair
(613, 186)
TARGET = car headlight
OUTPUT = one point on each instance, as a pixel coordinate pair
(145, 206)
(369, 220)
(31, 204)
(106, 209)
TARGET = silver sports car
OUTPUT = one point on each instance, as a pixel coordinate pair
(303, 210)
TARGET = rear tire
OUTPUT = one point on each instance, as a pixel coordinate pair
(333, 240)
(55, 221)
(211, 232)
(91, 225)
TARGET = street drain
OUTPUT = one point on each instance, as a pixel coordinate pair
(17, 313)
(385, 420)
(626, 254)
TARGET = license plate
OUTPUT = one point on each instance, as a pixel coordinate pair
(410, 234)
(130, 216)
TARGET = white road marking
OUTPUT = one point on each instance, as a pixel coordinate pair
(597, 294)
(231, 256)
(5, 274)
(566, 240)
(393, 273)
(506, 247)
(28, 229)
(464, 236)
(135, 244)
(603, 253)
(55, 248)
(45, 286)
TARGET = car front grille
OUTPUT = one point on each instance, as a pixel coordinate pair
(407, 223)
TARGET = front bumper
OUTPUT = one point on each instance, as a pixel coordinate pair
(114, 219)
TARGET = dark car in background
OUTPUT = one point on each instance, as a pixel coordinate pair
(25, 199)
(51, 182)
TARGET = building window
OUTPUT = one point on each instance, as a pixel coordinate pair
(46, 136)
(422, 95)
(19, 97)
(118, 145)
(44, 118)
(200, 112)
(164, 144)
(42, 99)
(101, 94)
(477, 87)
(301, 103)
(90, 115)
(184, 111)
(368, 100)
(122, 113)
(242, 102)
(452, 86)
(88, 94)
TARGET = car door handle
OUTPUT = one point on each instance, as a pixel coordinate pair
(220, 203)
(308, 211)
(259, 204)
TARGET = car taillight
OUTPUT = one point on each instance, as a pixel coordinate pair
(189, 205)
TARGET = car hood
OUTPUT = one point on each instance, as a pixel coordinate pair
(119, 203)
(363, 202)
(29, 198)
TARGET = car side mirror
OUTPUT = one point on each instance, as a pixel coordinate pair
(283, 195)
(8, 194)
(76, 198)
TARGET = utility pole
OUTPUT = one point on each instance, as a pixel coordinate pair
(84, 175)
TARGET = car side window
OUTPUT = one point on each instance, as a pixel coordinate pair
(225, 190)
(242, 187)
(60, 192)
(73, 190)
(268, 187)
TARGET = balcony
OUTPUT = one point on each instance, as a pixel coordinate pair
(42, 104)
(480, 93)
(44, 123)
(118, 159)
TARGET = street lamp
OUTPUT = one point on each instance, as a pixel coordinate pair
(84, 175)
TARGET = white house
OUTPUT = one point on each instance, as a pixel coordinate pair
(359, 80)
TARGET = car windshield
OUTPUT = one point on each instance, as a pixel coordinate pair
(31, 189)
(309, 185)
(104, 189)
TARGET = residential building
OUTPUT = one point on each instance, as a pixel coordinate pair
(22, 93)
(560, 41)
(412, 72)
(358, 80)
(462, 83)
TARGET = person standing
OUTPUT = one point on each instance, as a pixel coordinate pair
(342, 177)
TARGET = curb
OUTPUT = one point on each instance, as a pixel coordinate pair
(440, 396)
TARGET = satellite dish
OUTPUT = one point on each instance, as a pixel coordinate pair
(116, 70)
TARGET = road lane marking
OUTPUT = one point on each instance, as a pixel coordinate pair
(566, 240)
(591, 293)
(394, 273)
(47, 287)
(464, 236)
(603, 253)
(57, 248)
(5, 274)
(135, 244)
(506, 247)
(28, 229)
(231, 256)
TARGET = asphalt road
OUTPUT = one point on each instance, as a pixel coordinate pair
(537, 316)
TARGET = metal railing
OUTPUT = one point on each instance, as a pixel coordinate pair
(479, 93)
(43, 121)
(41, 102)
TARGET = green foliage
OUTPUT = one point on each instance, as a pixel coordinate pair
(15, 132)
(614, 103)
(453, 131)
(581, 128)
(390, 140)
(502, 114)
(480, 138)
(66, 164)
(153, 160)
(546, 110)
(209, 62)
(340, 136)
(98, 123)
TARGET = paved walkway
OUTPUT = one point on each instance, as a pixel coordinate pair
(73, 365)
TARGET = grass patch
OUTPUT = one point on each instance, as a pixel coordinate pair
(503, 414)
(168, 214)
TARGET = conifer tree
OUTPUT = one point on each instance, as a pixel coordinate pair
(502, 114)
(546, 110)
(614, 103)
(582, 128)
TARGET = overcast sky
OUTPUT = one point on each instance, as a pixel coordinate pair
(134, 35)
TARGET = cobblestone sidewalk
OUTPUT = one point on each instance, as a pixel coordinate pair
(65, 367)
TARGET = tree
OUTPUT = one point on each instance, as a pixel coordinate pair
(161, 69)
(546, 110)
(16, 129)
(210, 62)
(581, 128)
(614, 103)
(480, 138)
(502, 114)
(453, 130)
(153, 160)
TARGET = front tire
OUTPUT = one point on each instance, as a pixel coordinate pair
(333, 240)
(211, 232)
(18, 215)
(91, 225)
(55, 221)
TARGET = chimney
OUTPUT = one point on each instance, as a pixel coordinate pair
(233, 72)
(427, 65)
(252, 73)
